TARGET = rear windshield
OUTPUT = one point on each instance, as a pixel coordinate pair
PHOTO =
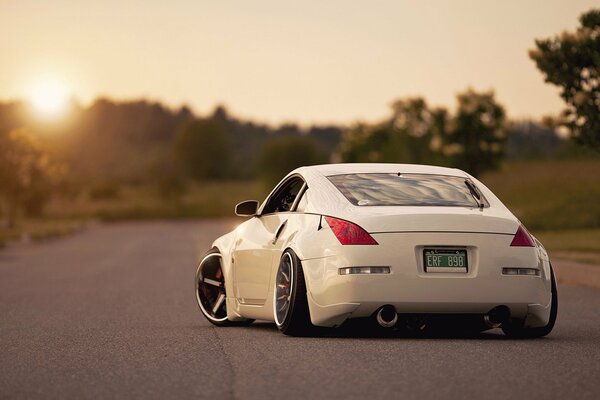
(406, 190)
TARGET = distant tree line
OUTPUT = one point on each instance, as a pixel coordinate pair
(108, 144)
(221, 146)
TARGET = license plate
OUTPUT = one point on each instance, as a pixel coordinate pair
(445, 260)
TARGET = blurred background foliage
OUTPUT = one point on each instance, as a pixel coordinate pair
(140, 159)
(471, 138)
(571, 61)
(137, 159)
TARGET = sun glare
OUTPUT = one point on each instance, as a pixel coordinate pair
(49, 99)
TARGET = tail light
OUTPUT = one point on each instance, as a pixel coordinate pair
(522, 238)
(349, 233)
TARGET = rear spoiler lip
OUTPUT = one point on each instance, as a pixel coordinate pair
(438, 231)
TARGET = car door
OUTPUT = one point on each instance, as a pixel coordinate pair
(258, 246)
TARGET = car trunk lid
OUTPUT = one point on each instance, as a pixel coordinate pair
(434, 219)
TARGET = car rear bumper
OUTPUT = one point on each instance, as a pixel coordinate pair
(333, 298)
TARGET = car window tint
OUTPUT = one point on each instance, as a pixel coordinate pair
(404, 190)
(283, 199)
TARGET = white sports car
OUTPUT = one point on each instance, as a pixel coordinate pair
(406, 245)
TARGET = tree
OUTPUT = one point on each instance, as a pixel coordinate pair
(281, 155)
(415, 130)
(363, 143)
(25, 174)
(203, 149)
(472, 138)
(571, 61)
(475, 138)
(408, 135)
(118, 141)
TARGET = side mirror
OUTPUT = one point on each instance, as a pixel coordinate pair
(247, 208)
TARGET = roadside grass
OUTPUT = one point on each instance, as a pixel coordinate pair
(556, 199)
(543, 194)
(64, 216)
(550, 194)
(584, 240)
(582, 245)
(201, 200)
(39, 229)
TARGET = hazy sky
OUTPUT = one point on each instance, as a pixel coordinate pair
(276, 61)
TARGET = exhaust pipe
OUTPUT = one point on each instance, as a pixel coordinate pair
(387, 316)
(496, 317)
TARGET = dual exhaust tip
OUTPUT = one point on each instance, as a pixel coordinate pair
(387, 316)
(496, 317)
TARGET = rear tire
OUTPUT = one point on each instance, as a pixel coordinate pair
(516, 328)
(210, 290)
(290, 304)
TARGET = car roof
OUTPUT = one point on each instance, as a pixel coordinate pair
(365, 168)
(325, 198)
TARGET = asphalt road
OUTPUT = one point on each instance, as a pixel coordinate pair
(110, 313)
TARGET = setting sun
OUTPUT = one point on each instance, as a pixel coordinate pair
(49, 98)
